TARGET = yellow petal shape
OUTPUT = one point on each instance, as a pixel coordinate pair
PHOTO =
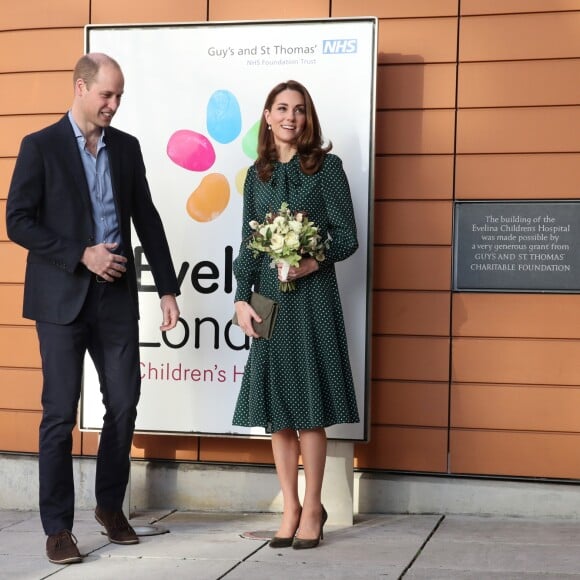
(241, 179)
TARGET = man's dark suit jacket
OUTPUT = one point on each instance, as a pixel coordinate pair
(49, 213)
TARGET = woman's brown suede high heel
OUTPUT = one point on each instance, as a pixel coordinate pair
(303, 544)
(282, 542)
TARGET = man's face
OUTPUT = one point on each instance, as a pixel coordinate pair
(100, 100)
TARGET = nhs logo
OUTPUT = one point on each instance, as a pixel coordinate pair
(339, 46)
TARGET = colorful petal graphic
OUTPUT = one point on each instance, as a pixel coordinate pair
(240, 179)
(250, 141)
(210, 198)
(224, 118)
(191, 150)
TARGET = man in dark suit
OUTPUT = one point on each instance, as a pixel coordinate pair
(76, 188)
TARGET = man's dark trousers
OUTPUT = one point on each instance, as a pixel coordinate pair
(108, 329)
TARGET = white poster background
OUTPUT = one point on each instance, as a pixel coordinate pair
(171, 73)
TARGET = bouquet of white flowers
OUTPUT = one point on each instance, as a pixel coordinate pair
(286, 237)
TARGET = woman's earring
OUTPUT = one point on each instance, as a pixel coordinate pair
(269, 127)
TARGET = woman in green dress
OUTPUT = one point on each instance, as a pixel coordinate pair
(299, 381)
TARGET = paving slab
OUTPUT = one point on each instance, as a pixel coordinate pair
(512, 530)
(30, 568)
(448, 574)
(502, 547)
(213, 522)
(375, 547)
(9, 518)
(212, 546)
(93, 568)
(307, 570)
(187, 546)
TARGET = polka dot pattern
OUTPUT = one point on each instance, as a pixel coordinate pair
(300, 378)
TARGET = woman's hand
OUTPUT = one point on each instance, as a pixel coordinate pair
(246, 314)
(305, 267)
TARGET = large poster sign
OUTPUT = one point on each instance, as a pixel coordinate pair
(193, 96)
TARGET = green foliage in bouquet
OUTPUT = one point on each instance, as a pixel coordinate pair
(286, 236)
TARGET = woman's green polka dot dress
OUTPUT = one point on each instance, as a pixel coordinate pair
(301, 377)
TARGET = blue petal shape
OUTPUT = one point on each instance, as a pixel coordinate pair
(224, 118)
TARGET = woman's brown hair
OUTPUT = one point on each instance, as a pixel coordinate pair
(310, 144)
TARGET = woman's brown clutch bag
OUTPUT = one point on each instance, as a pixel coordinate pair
(267, 310)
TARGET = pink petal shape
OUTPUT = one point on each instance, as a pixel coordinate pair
(190, 150)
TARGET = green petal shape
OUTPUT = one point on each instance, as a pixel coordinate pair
(250, 141)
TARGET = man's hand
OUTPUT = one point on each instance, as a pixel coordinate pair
(170, 312)
(100, 260)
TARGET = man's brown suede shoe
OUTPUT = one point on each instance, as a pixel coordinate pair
(115, 523)
(62, 548)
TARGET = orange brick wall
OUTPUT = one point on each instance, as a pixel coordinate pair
(477, 99)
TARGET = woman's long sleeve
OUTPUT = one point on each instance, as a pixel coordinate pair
(246, 266)
(340, 212)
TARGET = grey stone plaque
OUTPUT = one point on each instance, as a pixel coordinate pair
(527, 246)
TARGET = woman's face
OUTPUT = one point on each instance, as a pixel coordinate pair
(287, 117)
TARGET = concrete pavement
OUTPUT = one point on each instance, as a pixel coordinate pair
(213, 546)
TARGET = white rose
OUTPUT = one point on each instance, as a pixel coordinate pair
(292, 241)
(295, 226)
(254, 225)
(279, 221)
(277, 242)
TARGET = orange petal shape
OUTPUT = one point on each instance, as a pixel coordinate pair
(210, 198)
